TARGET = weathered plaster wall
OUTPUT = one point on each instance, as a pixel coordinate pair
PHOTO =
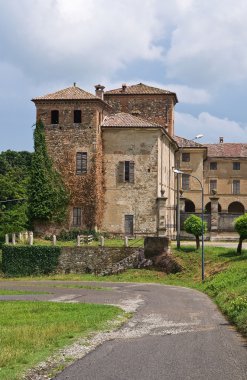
(150, 151)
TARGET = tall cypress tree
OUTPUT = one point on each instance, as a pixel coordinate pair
(48, 196)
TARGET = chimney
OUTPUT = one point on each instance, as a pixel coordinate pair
(135, 112)
(124, 86)
(99, 91)
(221, 140)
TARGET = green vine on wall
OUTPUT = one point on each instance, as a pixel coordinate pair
(48, 196)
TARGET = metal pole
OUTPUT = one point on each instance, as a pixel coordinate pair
(202, 234)
(178, 212)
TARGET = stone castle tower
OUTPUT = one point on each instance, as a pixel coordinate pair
(74, 131)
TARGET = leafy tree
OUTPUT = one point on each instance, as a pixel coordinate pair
(193, 225)
(48, 197)
(14, 176)
(240, 225)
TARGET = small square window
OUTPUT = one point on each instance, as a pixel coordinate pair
(236, 165)
(54, 117)
(213, 165)
(186, 157)
(77, 116)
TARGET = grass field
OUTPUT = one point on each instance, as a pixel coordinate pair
(225, 282)
(31, 331)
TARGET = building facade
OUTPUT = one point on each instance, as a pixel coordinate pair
(116, 151)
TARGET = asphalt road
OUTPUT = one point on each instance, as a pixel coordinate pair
(175, 334)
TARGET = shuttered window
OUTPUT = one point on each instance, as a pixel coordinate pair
(81, 162)
(76, 216)
(126, 171)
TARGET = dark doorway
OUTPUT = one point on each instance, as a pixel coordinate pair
(129, 225)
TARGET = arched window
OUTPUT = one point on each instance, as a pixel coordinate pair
(236, 208)
(189, 206)
(208, 208)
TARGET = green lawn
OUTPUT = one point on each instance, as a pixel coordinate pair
(108, 243)
(31, 331)
(225, 278)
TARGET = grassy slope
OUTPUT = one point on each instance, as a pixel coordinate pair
(31, 331)
(225, 272)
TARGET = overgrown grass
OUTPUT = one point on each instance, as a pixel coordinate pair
(31, 331)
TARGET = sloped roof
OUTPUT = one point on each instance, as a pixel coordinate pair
(126, 120)
(139, 89)
(227, 150)
(69, 93)
(185, 143)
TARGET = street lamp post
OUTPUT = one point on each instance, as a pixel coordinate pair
(178, 196)
(202, 214)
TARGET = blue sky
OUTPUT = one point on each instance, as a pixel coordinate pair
(195, 48)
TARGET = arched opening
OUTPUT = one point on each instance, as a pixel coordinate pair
(208, 208)
(236, 208)
(189, 206)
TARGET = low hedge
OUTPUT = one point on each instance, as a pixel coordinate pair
(29, 260)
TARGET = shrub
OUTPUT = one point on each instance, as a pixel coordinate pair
(29, 260)
(193, 225)
(240, 225)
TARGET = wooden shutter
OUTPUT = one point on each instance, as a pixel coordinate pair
(120, 173)
(131, 172)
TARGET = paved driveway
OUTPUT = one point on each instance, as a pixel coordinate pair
(175, 334)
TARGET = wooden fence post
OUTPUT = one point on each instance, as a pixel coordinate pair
(54, 240)
(13, 239)
(6, 238)
(31, 238)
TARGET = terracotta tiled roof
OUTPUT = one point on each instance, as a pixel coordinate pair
(126, 120)
(69, 93)
(138, 89)
(185, 143)
(227, 150)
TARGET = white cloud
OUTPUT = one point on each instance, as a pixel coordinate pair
(208, 43)
(210, 126)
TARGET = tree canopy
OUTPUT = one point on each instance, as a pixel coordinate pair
(14, 178)
(193, 225)
(48, 197)
(240, 225)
